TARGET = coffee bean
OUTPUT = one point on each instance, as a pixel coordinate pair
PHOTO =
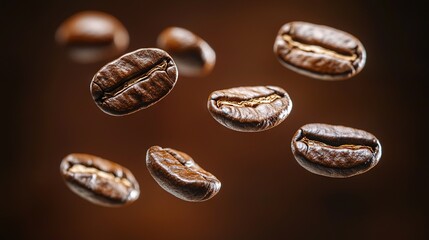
(92, 36)
(193, 56)
(250, 109)
(177, 173)
(319, 51)
(335, 151)
(133, 82)
(99, 181)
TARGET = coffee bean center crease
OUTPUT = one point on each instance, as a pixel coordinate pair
(310, 142)
(134, 80)
(81, 169)
(250, 102)
(317, 49)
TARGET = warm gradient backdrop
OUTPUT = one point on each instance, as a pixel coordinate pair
(265, 194)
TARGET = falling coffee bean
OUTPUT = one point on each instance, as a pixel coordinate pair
(177, 173)
(335, 151)
(92, 36)
(193, 56)
(319, 51)
(98, 180)
(250, 109)
(133, 82)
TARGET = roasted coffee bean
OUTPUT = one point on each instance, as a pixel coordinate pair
(92, 36)
(177, 173)
(250, 109)
(99, 181)
(135, 81)
(193, 56)
(335, 151)
(319, 51)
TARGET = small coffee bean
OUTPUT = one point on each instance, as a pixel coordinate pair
(319, 51)
(193, 56)
(177, 173)
(99, 181)
(133, 82)
(92, 36)
(335, 151)
(250, 109)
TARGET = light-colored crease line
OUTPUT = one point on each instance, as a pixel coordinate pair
(160, 67)
(81, 169)
(310, 142)
(317, 49)
(250, 102)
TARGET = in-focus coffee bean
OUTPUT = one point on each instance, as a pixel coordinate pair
(98, 180)
(177, 173)
(92, 36)
(250, 109)
(319, 51)
(335, 151)
(133, 82)
(193, 56)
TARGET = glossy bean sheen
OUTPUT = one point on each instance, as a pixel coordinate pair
(133, 82)
(250, 109)
(335, 151)
(177, 173)
(92, 36)
(193, 55)
(99, 181)
(319, 51)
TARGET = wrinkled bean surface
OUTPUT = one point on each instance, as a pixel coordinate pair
(177, 173)
(319, 51)
(250, 109)
(335, 151)
(133, 82)
(98, 180)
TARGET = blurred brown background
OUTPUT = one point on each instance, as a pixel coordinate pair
(265, 194)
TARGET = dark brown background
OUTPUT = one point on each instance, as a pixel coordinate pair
(265, 194)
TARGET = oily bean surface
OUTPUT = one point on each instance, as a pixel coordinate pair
(98, 180)
(177, 173)
(92, 36)
(250, 109)
(335, 151)
(193, 55)
(134, 81)
(319, 51)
